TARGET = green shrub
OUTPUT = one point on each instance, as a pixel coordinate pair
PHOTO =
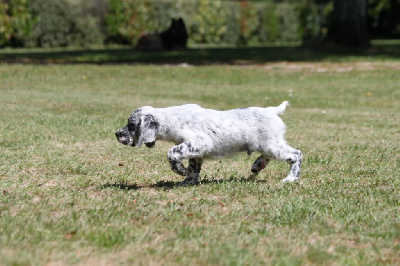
(15, 22)
(50, 23)
(129, 19)
(249, 21)
(288, 22)
(269, 29)
(311, 22)
(233, 31)
(22, 20)
(210, 22)
(207, 21)
(5, 25)
(59, 23)
(163, 12)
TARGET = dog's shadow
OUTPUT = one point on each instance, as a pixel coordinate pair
(171, 185)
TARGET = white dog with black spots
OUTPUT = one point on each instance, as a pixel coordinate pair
(201, 133)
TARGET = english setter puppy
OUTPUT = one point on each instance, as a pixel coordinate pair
(200, 133)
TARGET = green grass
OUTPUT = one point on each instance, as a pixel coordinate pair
(71, 194)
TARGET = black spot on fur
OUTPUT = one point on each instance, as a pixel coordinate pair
(193, 150)
(290, 161)
(150, 144)
(152, 122)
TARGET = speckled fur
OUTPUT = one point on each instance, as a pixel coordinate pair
(201, 133)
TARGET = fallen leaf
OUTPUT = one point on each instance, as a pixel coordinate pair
(70, 234)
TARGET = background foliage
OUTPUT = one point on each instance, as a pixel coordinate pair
(16, 22)
(82, 23)
(210, 22)
(60, 23)
(128, 19)
(46, 23)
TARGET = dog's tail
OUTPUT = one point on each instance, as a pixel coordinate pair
(281, 108)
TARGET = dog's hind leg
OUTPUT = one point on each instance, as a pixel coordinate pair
(295, 159)
(282, 152)
(260, 163)
(292, 156)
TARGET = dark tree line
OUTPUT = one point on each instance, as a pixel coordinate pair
(349, 23)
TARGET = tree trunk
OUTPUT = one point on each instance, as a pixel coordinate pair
(349, 23)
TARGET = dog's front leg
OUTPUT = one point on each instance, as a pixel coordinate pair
(193, 171)
(185, 150)
(175, 156)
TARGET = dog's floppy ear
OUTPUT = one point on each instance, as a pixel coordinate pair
(148, 130)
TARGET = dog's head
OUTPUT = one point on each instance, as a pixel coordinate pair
(141, 128)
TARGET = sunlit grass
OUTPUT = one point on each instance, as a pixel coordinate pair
(70, 193)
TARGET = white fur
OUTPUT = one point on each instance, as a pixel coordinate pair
(206, 133)
(219, 133)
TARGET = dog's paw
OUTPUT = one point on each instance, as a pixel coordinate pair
(179, 168)
(188, 182)
(290, 179)
(258, 165)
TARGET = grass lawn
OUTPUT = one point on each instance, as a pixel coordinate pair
(71, 194)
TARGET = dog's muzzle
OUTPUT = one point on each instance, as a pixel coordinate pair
(124, 137)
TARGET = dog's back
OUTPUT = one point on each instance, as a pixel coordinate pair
(223, 132)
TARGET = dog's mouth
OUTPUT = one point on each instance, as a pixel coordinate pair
(125, 139)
